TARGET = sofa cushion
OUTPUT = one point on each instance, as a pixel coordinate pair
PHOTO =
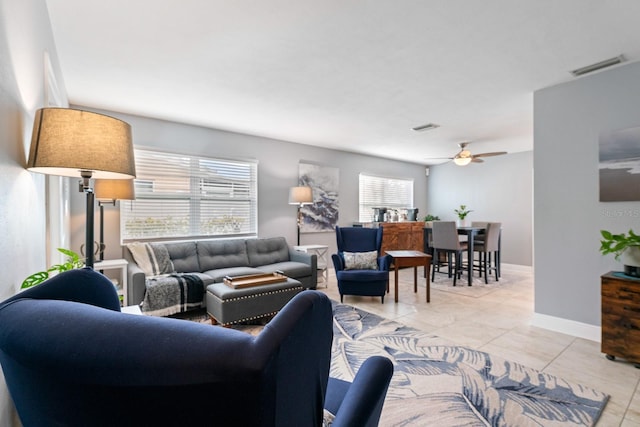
(215, 254)
(220, 273)
(267, 251)
(152, 258)
(288, 268)
(184, 256)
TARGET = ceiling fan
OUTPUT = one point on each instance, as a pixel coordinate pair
(464, 156)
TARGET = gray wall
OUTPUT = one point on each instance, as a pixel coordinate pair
(500, 190)
(568, 215)
(277, 171)
(25, 34)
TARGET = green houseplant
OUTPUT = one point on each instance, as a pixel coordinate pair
(430, 217)
(462, 212)
(625, 247)
(73, 261)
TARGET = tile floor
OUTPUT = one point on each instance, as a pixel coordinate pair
(496, 319)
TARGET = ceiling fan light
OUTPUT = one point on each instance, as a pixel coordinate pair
(462, 161)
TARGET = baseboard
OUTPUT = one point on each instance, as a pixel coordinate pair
(566, 326)
(516, 267)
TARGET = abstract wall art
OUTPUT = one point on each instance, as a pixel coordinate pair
(322, 215)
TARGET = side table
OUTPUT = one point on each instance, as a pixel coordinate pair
(116, 264)
(411, 259)
(323, 260)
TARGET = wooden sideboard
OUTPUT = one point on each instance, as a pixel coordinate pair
(399, 236)
(621, 317)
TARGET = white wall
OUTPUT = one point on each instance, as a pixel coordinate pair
(277, 171)
(499, 190)
(567, 212)
(25, 34)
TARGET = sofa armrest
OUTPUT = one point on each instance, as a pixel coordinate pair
(384, 263)
(311, 260)
(136, 282)
(338, 263)
(360, 403)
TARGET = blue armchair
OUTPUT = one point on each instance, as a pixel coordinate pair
(365, 282)
(70, 357)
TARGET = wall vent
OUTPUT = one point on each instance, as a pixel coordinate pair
(598, 66)
(428, 126)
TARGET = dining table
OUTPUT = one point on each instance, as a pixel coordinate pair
(471, 233)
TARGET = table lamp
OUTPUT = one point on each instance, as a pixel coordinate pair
(77, 143)
(107, 191)
(300, 196)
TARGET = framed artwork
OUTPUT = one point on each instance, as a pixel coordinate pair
(619, 166)
(322, 215)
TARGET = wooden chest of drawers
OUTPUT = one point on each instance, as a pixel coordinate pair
(401, 236)
(621, 317)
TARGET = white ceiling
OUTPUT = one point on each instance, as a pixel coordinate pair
(346, 74)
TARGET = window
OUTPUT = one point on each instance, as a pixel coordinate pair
(380, 192)
(180, 196)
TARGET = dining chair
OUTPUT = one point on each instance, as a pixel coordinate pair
(490, 244)
(446, 240)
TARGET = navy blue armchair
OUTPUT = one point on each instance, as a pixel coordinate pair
(70, 357)
(364, 282)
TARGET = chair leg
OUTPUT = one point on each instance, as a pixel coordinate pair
(435, 263)
(486, 273)
(382, 299)
(341, 296)
(455, 272)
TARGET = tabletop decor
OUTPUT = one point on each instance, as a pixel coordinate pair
(625, 247)
(462, 213)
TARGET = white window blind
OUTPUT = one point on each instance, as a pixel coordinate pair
(382, 192)
(180, 196)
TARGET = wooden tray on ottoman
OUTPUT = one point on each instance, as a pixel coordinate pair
(250, 280)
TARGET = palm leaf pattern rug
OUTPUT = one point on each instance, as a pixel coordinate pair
(437, 384)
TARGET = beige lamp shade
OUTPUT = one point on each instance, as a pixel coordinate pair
(300, 196)
(114, 189)
(66, 142)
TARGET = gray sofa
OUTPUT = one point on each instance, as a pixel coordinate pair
(215, 259)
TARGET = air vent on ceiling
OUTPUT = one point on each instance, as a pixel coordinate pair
(428, 126)
(598, 66)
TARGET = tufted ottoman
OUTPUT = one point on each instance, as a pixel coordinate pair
(227, 305)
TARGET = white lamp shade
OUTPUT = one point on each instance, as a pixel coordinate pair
(300, 196)
(66, 142)
(114, 189)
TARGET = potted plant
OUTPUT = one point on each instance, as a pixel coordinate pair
(429, 219)
(73, 261)
(625, 247)
(462, 213)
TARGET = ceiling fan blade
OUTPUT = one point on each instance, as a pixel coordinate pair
(476, 160)
(495, 153)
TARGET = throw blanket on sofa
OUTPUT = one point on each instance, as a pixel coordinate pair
(175, 293)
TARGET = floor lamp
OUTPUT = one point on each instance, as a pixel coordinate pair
(107, 191)
(77, 143)
(300, 196)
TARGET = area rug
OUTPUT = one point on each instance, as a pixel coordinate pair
(443, 385)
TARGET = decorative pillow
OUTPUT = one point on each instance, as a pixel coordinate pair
(360, 260)
(153, 258)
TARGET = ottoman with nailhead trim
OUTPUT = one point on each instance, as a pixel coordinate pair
(226, 305)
